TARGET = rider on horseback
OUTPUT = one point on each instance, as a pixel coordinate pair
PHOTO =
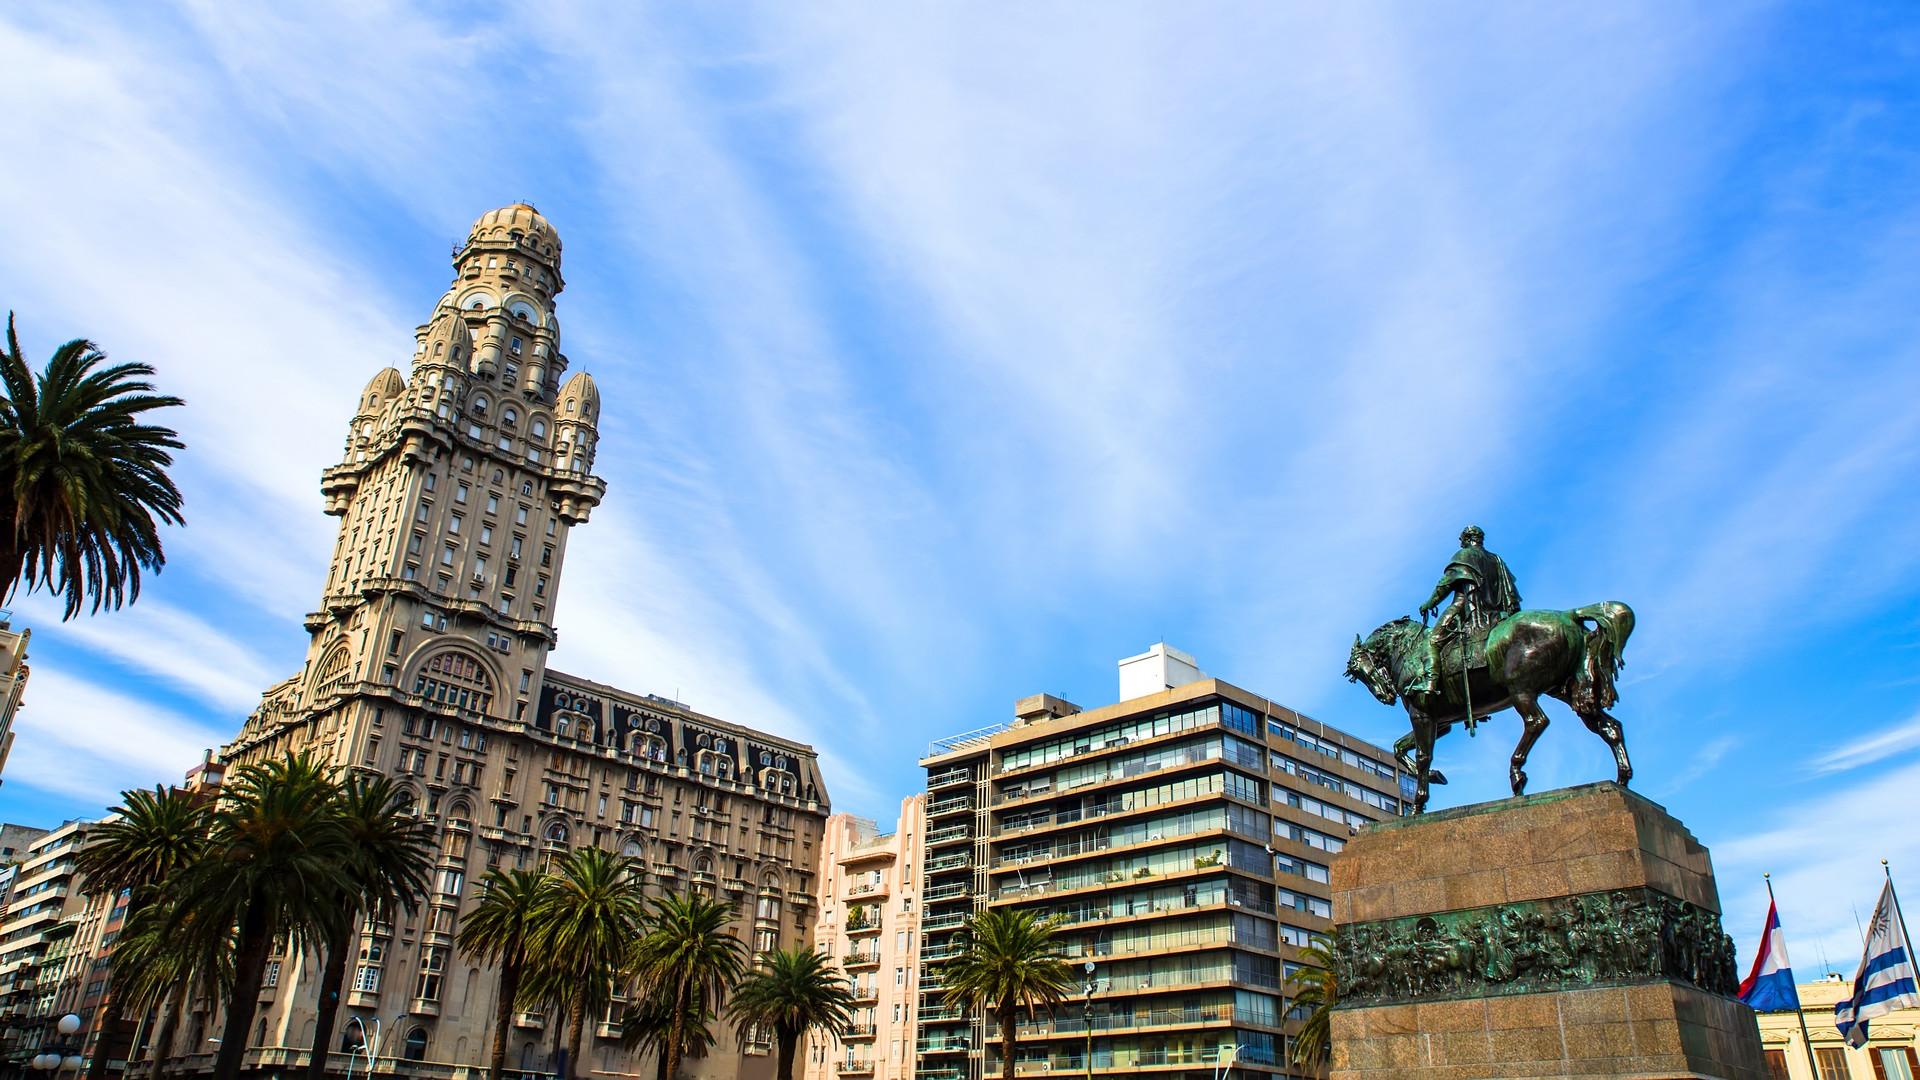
(1483, 592)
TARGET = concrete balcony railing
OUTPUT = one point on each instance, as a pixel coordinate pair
(853, 1068)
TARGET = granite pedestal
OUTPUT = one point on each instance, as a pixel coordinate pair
(1573, 933)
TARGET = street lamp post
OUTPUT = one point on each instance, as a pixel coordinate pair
(1086, 1017)
(1226, 1067)
(61, 1055)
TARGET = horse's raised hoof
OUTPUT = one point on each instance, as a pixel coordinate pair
(1519, 782)
(1435, 776)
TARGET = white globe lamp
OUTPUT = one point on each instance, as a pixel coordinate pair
(69, 1024)
(73, 1062)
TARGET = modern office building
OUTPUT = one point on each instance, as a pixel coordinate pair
(1179, 837)
(869, 922)
(458, 491)
(13, 680)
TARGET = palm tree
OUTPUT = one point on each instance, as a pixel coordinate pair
(685, 961)
(389, 855)
(792, 992)
(82, 479)
(495, 932)
(1318, 992)
(165, 955)
(148, 838)
(275, 850)
(587, 914)
(648, 1025)
(1007, 959)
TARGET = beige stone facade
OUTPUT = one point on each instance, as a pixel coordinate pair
(869, 921)
(1892, 1051)
(458, 490)
(13, 681)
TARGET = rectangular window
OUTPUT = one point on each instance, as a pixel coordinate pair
(414, 542)
(493, 503)
(460, 493)
(540, 586)
(520, 515)
(272, 977)
(454, 522)
(446, 555)
(409, 571)
(546, 555)
(433, 959)
(513, 549)
(367, 979)
(1895, 1062)
(450, 882)
(427, 481)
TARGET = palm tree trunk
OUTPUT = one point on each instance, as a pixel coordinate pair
(169, 1025)
(509, 989)
(1006, 1039)
(250, 968)
(576, 1020)
(332, 977)
(785, 1038)
(676, 1031)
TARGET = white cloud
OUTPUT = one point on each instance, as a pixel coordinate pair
(1871, 748)
(81, 740)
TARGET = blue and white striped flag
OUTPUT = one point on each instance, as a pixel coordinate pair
(1886, 980)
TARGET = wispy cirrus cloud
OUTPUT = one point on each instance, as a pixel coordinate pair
(1871, 748)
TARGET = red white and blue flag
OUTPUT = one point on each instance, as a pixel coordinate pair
(1769, 986)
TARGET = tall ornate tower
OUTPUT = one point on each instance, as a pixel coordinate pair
(456, 492)
(427, 662)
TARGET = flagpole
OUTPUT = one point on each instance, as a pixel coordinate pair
(1806, 1040)
(1895, 893)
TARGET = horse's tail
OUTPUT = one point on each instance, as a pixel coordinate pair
(1612, 624)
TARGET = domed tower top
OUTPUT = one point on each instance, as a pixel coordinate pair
(444, 342)
(381, 389)
(580, 399)
(516, 243)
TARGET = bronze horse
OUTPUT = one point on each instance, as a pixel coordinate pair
(1569, 655)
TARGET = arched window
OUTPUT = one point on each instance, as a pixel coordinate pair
(416, 1047)
(456, 680)
(508, 417)
(539, 428)
(632, 849)
(335, 671)
(480, 405)
(557, 833)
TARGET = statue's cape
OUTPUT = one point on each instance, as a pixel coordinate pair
(1493, 586)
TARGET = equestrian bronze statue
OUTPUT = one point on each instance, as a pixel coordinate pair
(1487, 654)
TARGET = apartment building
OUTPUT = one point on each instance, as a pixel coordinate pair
(869, 921)
(44, 913)
(1180, 840)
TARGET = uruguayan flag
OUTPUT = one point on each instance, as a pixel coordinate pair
(1886, 980)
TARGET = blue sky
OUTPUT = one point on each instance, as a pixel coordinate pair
(950, 354)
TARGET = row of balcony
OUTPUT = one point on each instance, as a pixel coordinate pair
(1195, 1016)
(950, 834)
(955, 805)
(948, 778)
